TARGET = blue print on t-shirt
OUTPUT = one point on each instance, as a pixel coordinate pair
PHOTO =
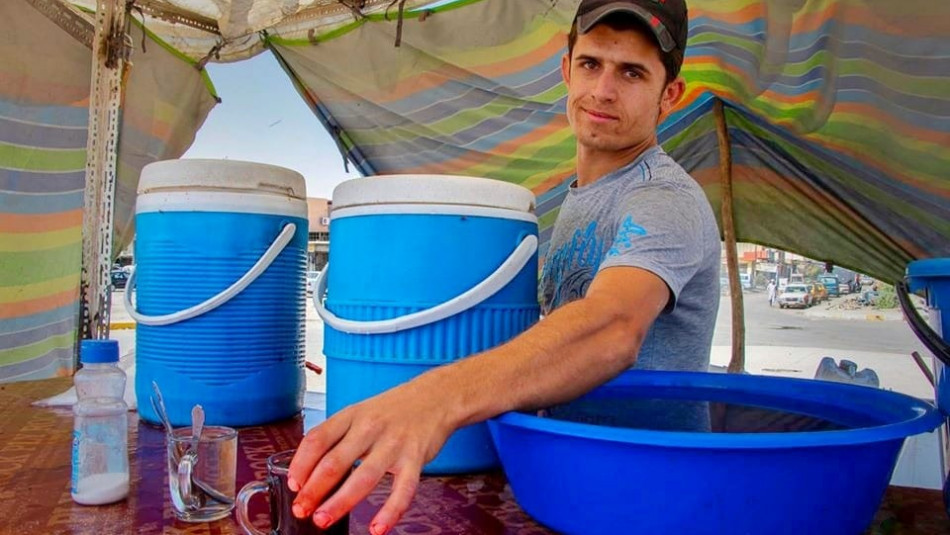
(624, 241)
(570, 269)
(585, 250)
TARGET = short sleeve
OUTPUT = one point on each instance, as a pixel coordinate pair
(659, 229)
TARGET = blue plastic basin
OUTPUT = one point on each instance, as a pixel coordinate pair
(581, 478)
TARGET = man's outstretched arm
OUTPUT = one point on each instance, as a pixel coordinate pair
(576, 348)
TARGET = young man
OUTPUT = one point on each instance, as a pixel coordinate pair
(632, 276)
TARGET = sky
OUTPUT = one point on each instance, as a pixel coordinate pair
(261, 118)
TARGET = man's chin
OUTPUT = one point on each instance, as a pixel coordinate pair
(600, 143)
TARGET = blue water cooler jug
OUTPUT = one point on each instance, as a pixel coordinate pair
(425, 270)
(220, 254)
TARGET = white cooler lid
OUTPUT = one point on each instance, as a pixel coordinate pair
(221, 175)
(432, 189)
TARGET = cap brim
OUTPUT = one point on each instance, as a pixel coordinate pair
(587, 21)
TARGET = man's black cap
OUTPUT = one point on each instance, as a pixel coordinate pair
(667, 18)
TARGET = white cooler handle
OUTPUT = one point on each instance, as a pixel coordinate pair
(500, 278)
(256, 270)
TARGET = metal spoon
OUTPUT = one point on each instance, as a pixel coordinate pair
(158, 405)
(197, 423)
(194, 501)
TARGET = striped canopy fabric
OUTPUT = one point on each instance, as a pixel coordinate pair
(838, 112)
(44, 98)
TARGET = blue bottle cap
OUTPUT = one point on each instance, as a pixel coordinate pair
(98, 351)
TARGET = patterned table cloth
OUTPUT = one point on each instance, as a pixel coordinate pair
(35, 475)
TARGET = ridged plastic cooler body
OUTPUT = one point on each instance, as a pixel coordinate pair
(386, 265)
(242, 361)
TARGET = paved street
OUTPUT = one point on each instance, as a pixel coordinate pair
(808, 328)
(791, 342)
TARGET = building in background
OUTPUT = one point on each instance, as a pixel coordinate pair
(759, 264)
(318, 243)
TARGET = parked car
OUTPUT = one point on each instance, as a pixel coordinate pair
(312, 281)
(844, 288)
(119, 278)
(795, 296)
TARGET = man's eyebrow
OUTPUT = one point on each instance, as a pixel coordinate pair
(627, 66)
(639, 67)
(586, 57)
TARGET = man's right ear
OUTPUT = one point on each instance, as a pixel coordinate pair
(566, 68)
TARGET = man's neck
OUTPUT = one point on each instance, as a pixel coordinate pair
(592, 165)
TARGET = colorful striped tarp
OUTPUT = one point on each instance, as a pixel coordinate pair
(838, 112)
(44, 98)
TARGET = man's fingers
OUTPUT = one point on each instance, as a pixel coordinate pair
(313, 446)
(355, 488)
(404, 488)
(321, 475)
(329, 472)
(312, 457)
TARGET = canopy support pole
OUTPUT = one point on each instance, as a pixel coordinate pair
(737, 361)
(110, 51)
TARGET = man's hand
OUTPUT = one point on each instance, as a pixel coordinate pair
(577, 347)
(396, 432)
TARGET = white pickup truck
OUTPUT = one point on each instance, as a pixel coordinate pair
(794, 296)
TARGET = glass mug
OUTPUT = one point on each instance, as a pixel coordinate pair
(282, 519)
(201, 479)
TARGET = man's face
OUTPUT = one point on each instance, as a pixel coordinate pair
(617, 90)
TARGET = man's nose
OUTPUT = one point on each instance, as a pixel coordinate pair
(605, 87)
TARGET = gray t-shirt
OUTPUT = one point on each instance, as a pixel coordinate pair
(652, 215)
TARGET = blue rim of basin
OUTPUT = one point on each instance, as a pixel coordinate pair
(900, 415)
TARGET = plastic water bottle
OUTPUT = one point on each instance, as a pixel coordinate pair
(100, 430)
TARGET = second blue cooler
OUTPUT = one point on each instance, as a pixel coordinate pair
(425, 270)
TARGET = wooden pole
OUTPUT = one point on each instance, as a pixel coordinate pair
(737, 361)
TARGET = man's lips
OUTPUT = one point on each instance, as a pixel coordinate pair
(599, 115)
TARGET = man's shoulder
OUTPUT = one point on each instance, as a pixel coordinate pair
(661, 167)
